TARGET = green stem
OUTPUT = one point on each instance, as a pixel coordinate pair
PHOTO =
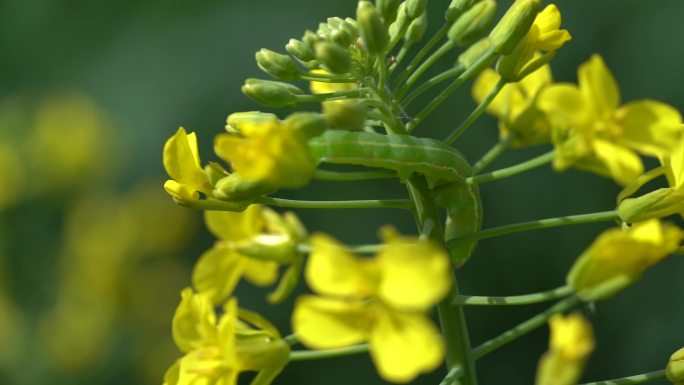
(492, 154)
(452, 376)
(308, 355)
(291, 339)
(513, 300)
(448, 74)
(633, 380)
(343, 94)
(213, 204)
(451, 318)
(477, 112)
(338, 176)
(400, 56)
(429, 62)
(326, 78)
(513, 170)
(604, 216)
(524, 327)
(360, 249)
(473, 70)
(358, 204)
(421, 54)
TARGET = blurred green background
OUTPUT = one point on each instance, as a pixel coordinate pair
(93, 253)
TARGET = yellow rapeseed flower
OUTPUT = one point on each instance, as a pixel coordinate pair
(217, 350)
(250, 244)
(592, 132)
(515, 106)
(663, 201)
(382, 300)
(182, 163)
(570, 344)
(220, 268)
(545, 36)
(618, 258)
(265, 151)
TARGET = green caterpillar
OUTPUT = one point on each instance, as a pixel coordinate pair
(401, 153)
(444, 168)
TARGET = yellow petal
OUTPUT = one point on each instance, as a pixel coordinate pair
(235, 226)
(181, 191)
(675, 165)
(599, 87)
(622, 163)
(332, 270)
(571, 335)
(194, 323)
(324, 87)
(565, 105)
(414, 274)
(181, 159)
(649, 126)
(217, 272)
(484, 83)
(627, 254)
(260, 273)
(226, 331)
(404, 345)
(549, 19)
(322, 323)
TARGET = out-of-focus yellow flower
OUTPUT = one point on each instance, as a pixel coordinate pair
(382, 300)
(251, 245)
(11, 176)
(570, 344)
(217, 350)
(592, 131)
(618, 258)
(515, 106)
(544, 36)
(182, 163)
(69, 144)
(269, 153)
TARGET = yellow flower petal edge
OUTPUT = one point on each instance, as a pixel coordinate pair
(182, 163)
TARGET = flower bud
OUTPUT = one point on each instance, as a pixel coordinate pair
(399, 23)
(323, 30)
(373, 31)
(310, 38)
(416, 30)
(309, 124)
(388, 9)
(345, 114)
(656, 204)
(474, 52)
(271, 93)
(269, 247)
(514, 25)
(237, 119)
(333, 56)
(341, 37)
(675, 368)
(415, 8)
(300, 50)
(457, 8)
(215, 172)
(472, 23)
(235, 188)
(279, 66)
